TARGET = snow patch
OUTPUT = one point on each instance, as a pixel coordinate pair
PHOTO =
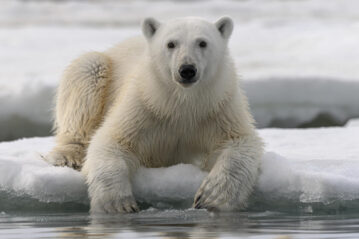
(352, 123)
(300, 167)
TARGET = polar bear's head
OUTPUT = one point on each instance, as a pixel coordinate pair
(187, 50)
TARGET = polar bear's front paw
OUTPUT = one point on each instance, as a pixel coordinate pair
(112, 204)
(217, 193)
(70, 155)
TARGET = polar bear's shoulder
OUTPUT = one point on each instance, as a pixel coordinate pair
(133, 46)
(125, 58)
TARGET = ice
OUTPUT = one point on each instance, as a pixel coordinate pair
(302, 102)
(177, 184)
(24, 173)
(300, 167)
(316, 165)
(352, 123)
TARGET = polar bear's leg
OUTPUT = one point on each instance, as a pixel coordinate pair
(79, 108)
(233, 176)
(108, 169)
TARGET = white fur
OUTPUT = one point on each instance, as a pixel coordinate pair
(127, 107)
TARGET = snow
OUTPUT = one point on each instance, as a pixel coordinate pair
(352, 123)
(23, 171)
(319, 164)
(300, 167)
(297, 59)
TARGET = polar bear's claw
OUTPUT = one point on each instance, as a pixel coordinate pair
(129, 205)
(64, 161)
(217, 193)
(124, 205)
(70, 155)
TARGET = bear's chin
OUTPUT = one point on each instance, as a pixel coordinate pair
(186, 83)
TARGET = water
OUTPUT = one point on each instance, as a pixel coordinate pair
(189, 223)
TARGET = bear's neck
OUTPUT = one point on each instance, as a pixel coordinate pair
(171, 101)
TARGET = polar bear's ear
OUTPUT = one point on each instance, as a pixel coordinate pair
(149, 27)
(225, 26)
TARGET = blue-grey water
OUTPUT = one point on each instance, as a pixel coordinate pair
(189, 223)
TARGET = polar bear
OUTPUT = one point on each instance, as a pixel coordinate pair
(169, 97)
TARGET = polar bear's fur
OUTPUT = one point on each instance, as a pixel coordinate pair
(127, 107)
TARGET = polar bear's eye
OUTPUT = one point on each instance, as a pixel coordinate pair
(171, 45)
(202, 44)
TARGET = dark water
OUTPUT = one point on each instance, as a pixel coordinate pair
(153, 223)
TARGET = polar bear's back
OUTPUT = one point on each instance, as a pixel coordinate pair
(127, 55)
(126, 59)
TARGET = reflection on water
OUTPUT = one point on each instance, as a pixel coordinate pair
(190, 223)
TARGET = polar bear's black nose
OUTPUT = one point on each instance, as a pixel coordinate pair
(187, 72)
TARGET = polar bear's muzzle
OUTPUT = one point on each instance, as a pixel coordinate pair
(188, 74)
